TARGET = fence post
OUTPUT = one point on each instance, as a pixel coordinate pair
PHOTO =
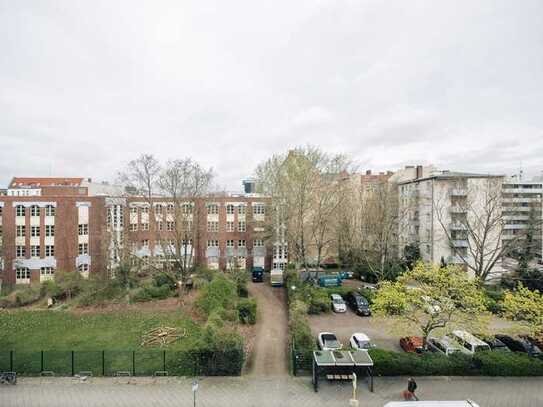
(41, 365)
(294, 367)
(103, 363)
(164, 360)
(73, 365)
(133, 363)
(11, 361)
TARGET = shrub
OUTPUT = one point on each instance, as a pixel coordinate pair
(21, 296)
(68, 284)
(100, 291)
(220, 293)
(150, 292)
(247, 311)
(165, 279)
(319, 301)
(507, 364)
(300, 332)
(494, 299)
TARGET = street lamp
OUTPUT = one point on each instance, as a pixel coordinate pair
(194, 390)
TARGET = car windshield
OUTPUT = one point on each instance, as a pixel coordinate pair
(338, 301)
(361, 301)
(481, 348)
(330, 342)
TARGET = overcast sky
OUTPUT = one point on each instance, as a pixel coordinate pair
(87, 85)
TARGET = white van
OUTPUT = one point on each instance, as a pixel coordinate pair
(444, 345)
(444, 403)
(468, 343)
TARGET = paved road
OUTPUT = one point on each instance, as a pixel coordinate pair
(269, 357)
(261, 392)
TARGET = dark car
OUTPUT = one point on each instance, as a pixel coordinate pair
(358, 304)
(495, 344)
(519, 345)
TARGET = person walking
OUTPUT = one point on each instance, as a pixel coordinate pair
(409, 394)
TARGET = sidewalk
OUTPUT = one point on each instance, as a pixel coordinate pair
(261, 392)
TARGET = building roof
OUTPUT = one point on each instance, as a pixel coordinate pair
(37, 182)
(451, 175)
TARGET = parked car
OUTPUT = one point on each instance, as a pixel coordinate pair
(444, 345)
(412, 344)
(358, 304)
(328, 341)
(361, 341)
(520, 345)
(469, 343)
(532, 346)
(338, 304)
(494, 343)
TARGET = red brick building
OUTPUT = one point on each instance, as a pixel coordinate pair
(53, 224)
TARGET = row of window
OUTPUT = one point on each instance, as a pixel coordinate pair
(230, 243)
(229, 227)
(20, 210)
(20, 250)
(35, 231)
(22, 274)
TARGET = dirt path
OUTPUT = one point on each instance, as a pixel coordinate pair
(269, 356)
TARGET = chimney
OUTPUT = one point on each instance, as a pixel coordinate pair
(89, 180)
(368, 172)
(419, 171)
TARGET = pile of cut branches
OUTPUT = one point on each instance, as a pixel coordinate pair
(162, 336)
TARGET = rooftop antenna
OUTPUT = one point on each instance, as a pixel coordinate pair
(520, 173)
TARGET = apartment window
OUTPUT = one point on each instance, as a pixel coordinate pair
(22, 273)
(187, 225)
(145, 209)
(133, 227)
(49, 210)
(21, 230)
(241, 226)
(170, 226)
(34, 210)
(134, 210)
(83, 248)
(20, 251)
(83, 229)
(230, 209)
(158, 209)
(258, 209)
(212, 243)
(241, 243)
(187, 242)
(171, 243)
(241, 210)
(145, 226)
(187, 208)
(258, 243)
(0, 211)
(49, 230)
(160, 226)
(20, 210)
(145, 243)
(170, 208)
(35, 231)
(212, 226)
(35, 251)
(49, 251)
(229, 243)
(229, 226)
(83, 268)
(212, 209)
(47, 273)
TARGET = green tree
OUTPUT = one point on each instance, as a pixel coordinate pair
(411, 254)
(430, 297)
(525, 306)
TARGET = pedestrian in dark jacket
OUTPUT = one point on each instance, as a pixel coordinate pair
(411, 387)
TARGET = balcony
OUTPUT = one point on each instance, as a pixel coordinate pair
(454, 260)
(458, 192)
(457, 209)
(459, 243)
(457, 226)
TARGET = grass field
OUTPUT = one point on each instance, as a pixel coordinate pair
(102, 343)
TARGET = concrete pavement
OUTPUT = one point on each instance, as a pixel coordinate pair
(261, 392)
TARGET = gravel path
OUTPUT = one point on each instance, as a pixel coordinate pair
(269, 356)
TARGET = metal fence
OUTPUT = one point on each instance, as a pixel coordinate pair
(302, 361)
(123, 362)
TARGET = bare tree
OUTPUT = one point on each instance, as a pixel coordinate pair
(183, 181)
(295, 181)
(142, 174)
(476, 218)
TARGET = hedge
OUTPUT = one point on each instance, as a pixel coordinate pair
(387, 363)
(247, 310)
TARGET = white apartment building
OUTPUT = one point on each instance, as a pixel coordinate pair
(436, 210)
(522, 205)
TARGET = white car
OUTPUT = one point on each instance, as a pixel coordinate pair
(338, 304)
(329, 341)
(361, 341)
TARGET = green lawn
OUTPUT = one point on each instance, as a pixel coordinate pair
(58, 333)
(62, 330)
